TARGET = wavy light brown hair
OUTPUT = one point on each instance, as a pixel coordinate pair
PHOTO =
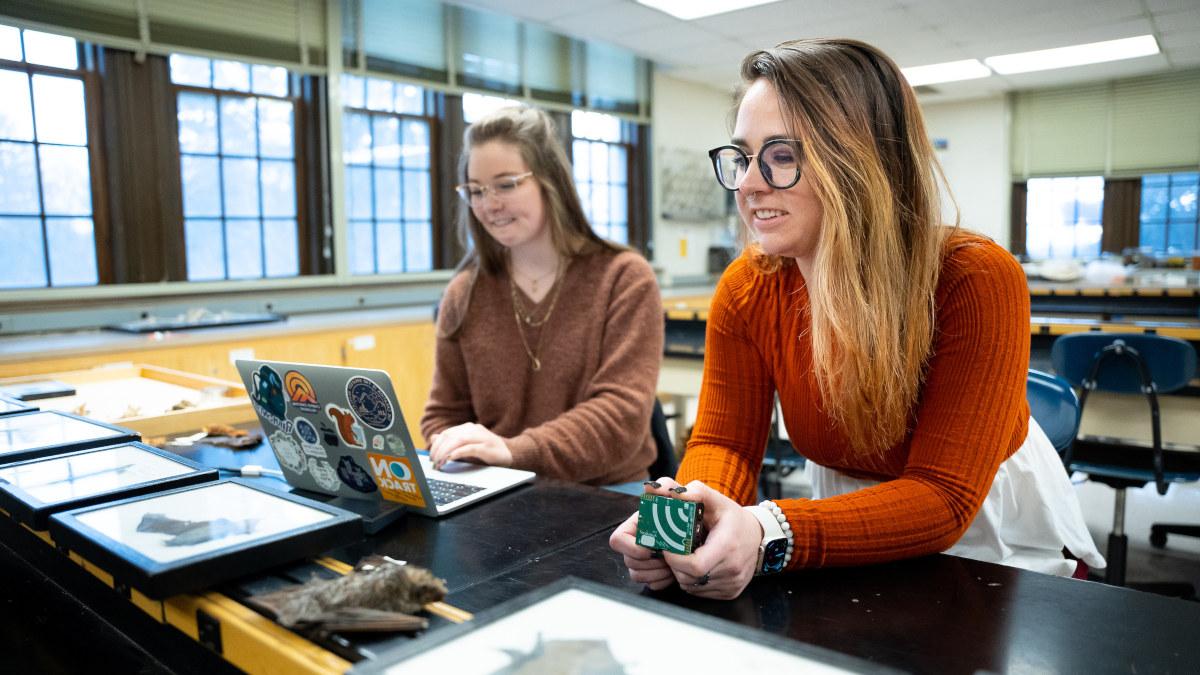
(533, 133)
(880, 248)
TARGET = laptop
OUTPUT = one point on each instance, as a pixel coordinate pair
(339, 432)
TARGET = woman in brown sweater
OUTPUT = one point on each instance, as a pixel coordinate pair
(898, 349)
(549, 339)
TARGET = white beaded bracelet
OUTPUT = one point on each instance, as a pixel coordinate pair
(783, 523)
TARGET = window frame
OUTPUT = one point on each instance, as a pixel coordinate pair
(1166, 221)
(101, 223)
(299, 172)
(434, 198)
(1025, 212)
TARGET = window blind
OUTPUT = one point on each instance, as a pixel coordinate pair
(1060, 132)
(1121, 127)
(1156, 122)
(613, 78)
(548, 65)
(488, 50)
(405, 37)
(290, 32)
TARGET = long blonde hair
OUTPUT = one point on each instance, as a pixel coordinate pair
(880, 248)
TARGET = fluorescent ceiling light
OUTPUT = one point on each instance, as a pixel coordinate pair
(951, 71)
(694, 9)
(1078, 55)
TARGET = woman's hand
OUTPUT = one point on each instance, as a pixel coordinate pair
(720, 569)
(468, 442)
(724, 565)
(645, 566)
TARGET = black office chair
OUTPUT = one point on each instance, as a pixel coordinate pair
(780, 460)
(1128, 363)
(665, 462)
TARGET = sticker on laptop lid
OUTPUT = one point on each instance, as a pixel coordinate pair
(354, 476)
(309, 440)
(288, 451)
(301, 392)
(350, 430)
(369, 403)
(329, 435)
(305, 430)
(324, 474)
(267, 391)
(397, 482)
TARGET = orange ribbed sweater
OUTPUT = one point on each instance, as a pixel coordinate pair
(971, 414)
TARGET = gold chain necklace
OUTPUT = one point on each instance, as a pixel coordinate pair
(524, 319)
(534, 281)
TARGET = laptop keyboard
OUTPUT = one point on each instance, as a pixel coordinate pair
(444, 491)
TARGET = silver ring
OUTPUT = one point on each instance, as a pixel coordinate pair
(702, 581)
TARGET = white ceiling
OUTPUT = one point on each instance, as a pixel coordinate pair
(913, 32)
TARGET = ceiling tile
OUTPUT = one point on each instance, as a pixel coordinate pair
(1176, 21)
(1180, 40)
(1170, 5)
(913, 32)
(606, 23)
(541, 11)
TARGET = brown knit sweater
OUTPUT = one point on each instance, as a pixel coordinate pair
(585, 416)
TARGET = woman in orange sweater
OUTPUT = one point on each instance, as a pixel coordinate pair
(898, 348)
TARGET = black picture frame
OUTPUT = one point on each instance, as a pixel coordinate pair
(27, 504)
(11, 406)
(15, 449)
(131, 561)
(393, 660)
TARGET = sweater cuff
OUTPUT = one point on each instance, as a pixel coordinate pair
(524, 451)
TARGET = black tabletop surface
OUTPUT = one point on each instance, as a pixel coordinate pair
(937, 614)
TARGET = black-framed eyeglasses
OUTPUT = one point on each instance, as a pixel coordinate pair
(778, 162)
(501, 188)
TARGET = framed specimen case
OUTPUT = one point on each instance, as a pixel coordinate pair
(31, 490)
(190, 538)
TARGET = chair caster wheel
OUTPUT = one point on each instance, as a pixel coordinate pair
(1158, 539)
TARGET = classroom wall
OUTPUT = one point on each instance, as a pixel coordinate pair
(976, 161)
(692, 117)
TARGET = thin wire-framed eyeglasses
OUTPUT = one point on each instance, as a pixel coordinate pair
(501, 188)
(778, 162)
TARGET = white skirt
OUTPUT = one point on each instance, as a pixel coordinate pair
(1030, 514)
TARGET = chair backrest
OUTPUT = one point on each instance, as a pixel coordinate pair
(665, 463)
(1171, 361)
(1054, 405)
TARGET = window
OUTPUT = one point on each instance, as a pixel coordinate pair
(601, 160)
(1062, 218)
(47, 223)
(238, 172)
(389, 180)
(1168, 220)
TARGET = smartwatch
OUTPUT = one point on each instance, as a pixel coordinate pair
(772, 552)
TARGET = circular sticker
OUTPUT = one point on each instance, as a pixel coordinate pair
(305, 430)
(400, 471)
(369, 403)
